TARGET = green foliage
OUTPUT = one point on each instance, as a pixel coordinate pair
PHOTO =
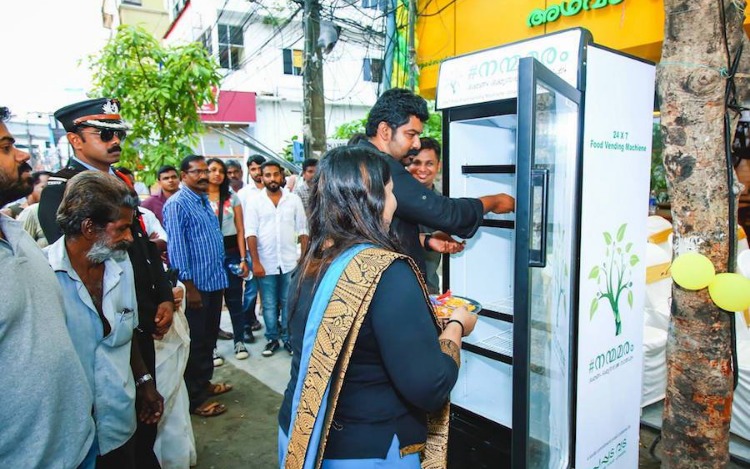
(658, 174)
(432, 128)
(161, 89)
(286, 152)
(613, 276)
(347, 129)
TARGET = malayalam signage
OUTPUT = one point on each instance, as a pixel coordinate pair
(492, 74)
(552, 13)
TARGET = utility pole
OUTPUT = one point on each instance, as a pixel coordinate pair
(313, 112)
(390, 44)
(412, 45)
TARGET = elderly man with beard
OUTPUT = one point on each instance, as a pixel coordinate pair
(96, 132)
(92, 266)
(46, 413)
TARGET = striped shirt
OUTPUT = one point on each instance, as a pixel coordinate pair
(196, 245)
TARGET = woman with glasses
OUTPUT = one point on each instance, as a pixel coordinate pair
(371, 367)
(226, 205)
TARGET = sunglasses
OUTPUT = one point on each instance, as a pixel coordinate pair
(107, 134)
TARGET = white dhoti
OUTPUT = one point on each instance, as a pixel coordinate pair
(175, 442)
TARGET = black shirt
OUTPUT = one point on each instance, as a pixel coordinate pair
(396, 374)
(418, 205)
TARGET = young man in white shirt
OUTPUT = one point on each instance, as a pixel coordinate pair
(272, 219)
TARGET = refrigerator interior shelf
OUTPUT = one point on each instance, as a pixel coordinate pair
(489, 169)
(504, 306)
(501, 343)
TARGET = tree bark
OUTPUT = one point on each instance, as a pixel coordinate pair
(698, 405)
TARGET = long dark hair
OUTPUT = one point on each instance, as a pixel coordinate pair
(223, 188)
(346, 208)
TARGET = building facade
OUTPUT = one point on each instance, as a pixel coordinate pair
(259, 46)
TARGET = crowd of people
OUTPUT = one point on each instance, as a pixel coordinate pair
(114, 344)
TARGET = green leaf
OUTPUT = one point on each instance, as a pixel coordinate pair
(628, 246)
(592, 309)
(607, 238)
(633, 260)
(594, 272)
(630, 298)
(621, 232)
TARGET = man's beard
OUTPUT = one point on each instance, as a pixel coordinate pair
(20, 187)
(273, 187)
(100, 251)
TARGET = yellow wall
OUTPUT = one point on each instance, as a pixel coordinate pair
(151, 15)
(463, 26)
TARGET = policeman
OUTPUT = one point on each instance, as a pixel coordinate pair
(95, 130)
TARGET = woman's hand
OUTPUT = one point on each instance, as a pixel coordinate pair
(244, 271)
(466, 318)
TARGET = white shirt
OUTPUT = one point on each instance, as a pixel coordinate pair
(152, 224)
(276, 228)
(247, 192)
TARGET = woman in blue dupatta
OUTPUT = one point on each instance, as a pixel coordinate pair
(371, 369)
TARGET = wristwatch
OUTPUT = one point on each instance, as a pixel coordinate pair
(143, 380)
(426, 243)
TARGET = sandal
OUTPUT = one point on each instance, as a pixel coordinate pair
(220, 388)
(211, 409)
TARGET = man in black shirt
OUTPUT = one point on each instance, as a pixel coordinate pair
(393, 127)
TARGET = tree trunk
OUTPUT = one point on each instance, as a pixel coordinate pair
(698, 406)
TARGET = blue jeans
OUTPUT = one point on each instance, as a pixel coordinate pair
(250, 298)
(233, 297)
(274, 290)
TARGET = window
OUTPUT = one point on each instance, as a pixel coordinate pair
(379, 4)
(231, 45)
(293, 62)
(177, 7)
(372, 69)
(205, 39)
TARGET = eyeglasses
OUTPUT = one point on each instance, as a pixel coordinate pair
(203, 172)
(107, 134)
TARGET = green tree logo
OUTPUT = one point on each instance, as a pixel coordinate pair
(614, 276)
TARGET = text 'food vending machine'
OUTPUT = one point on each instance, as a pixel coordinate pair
(551, 376)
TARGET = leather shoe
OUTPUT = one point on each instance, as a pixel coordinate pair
(224, 335)
(256, 326)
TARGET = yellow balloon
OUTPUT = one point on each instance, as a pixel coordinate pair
(692, 271)
(730, 292)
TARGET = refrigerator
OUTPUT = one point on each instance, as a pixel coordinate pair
(551, 375)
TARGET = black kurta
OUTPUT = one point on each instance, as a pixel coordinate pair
(396, 375)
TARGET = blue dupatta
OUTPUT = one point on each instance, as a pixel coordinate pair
(319, 304)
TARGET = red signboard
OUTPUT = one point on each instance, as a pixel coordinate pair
(232, 107)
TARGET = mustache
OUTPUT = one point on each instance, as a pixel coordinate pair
(115, 148)
(204, 180)
(24, 168)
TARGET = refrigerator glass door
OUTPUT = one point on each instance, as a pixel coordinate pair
(545, 268)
